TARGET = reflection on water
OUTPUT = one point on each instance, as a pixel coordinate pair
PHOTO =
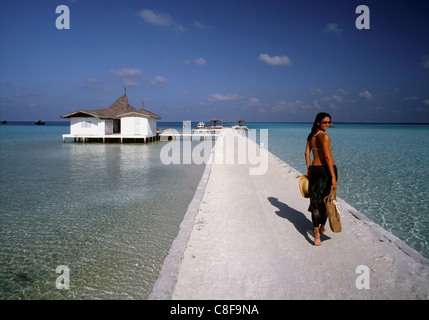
(109, 212)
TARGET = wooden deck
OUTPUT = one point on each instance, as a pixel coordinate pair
(165, 135)
(116, 137)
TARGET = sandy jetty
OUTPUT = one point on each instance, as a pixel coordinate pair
(250, 236)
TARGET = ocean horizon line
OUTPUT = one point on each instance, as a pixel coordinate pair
(17, 122)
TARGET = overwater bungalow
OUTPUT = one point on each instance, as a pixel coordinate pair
(120, 122)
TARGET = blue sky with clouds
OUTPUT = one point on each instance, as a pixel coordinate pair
(194, 60)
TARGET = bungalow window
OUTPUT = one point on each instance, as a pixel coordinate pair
(86, 124)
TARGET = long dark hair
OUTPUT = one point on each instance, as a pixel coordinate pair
(318, 119)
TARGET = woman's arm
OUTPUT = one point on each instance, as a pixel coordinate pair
(307, 155)
(326, 142)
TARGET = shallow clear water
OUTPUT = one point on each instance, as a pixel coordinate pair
(109, 212)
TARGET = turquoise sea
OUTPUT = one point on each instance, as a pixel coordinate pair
(110, 212)
(382, 171)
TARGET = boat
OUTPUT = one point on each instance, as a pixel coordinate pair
(39, 122)
(202, 129)
(4, 122)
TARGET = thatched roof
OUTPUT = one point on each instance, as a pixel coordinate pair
(140, 112)
(120, 108)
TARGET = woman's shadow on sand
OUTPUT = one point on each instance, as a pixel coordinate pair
(297, 218)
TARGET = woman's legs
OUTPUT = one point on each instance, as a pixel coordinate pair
(318, 216)
(317, 219)
(317, 241)
(320, 187)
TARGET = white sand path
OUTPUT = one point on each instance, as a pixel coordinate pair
(250, 237)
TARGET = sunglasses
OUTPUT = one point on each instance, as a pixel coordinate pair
(326, 122)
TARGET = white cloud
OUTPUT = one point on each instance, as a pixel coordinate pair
(228, 97)
(201, 25)
(426, 102)
(128, 76)
(253, 101)
(159, 18)
(126, 72)
(342, 91)
(158, 81)
(200, 61)
(296, 106)
(333, 28)
(316, 104)
(365, 94)
(337, 98)
(276, 60)
(90, 83)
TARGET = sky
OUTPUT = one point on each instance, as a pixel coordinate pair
(258, 60)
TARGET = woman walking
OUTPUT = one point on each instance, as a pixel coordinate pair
(322, 171)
